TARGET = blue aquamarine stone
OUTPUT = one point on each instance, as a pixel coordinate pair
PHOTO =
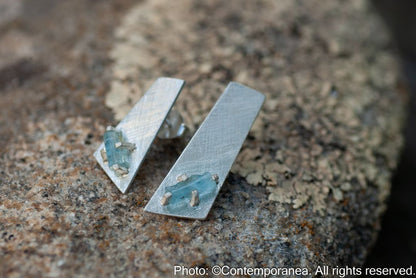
(182, 192)
(120, 155)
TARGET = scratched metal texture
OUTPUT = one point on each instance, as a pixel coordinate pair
(141, 125)
(215, 145)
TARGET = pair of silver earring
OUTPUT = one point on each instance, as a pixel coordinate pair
(191, 186)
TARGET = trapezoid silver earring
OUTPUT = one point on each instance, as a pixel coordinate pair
(126, 145)
(192, 185)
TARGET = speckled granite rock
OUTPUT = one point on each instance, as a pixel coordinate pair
(308, 188)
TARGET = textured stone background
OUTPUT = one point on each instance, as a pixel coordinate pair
(308, 188)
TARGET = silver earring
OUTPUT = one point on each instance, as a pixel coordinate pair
(191, 186)
(126, 145)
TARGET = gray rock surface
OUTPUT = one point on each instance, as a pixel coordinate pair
(308, 188)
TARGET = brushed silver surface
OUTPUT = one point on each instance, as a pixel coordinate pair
(214, 147)
(142, 124)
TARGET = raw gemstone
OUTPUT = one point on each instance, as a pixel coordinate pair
(118, 151)
(182, 192)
